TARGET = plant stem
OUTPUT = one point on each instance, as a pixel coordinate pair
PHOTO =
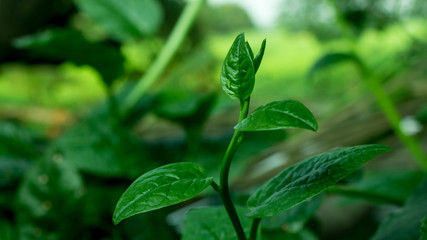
(172, 44)
(394, 119)
(225, 170)
(384, 101)
(254, 228)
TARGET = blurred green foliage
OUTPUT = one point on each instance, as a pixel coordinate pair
(77, 59)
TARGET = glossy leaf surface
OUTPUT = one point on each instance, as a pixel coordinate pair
(124, 19)
(213, 223)
(161, 187)
(238, 73)
(406, 223)
(308, 178)
(278, 115)
(258, 57)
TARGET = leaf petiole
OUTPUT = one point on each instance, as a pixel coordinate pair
(225, 170)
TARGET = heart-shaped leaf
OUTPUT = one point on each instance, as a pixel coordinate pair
(277, 115)
(308, 178)
(161, 187)
(238, 73)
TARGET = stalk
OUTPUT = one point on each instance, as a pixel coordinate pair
(384, 101)
(225, 170)
(254, 228)
(174, 41)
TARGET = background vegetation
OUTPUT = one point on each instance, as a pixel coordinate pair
(68, 148)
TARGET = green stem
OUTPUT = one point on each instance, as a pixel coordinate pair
(172, 44)
(394, 118)
(254, 228)
(225, 170)
(385, 102)
(215, 187)
(364, 195)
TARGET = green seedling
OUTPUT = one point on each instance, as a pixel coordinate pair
(178, 182)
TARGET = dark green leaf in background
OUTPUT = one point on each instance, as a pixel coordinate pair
(238, 73)
(391, 186)
(277, 115)
(124, 19)
(294, 219)
(331, 59)
(6, 231)
(97, 147)
(48, 202)
(423, 230)
(161, 187)
(405, 223)
(16, 141)
(213, 223)
(70, 45)
(258, 57)
(308, 178)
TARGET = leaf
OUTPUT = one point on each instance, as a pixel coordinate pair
(309, 178)
(6, 231)
(16, 141)
(277, 115)
(124, 19)
(161, 187)
(186, 109)
(213, 223)
(423, 230)
(258, 58)
(280, 234)
(391, 186)
(70, 45)
(238, 74)
(294, 219)
(49, 200)
(331, 59)
(97, 147)
(405, 223)
(12, 169)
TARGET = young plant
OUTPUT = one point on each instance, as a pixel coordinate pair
(178, 182)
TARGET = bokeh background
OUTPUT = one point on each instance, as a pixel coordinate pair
(68, 150)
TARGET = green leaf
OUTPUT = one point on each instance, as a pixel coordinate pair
(294, 219)
(391, 186)
(309, 178)
(49, 199)
(277, 115)
(6, 231)
(423, 230)
(331, 59)
(238, 73)
(95, 146)
(161, 187)
(251, 53)
(72, 46)
(258, 58)
(405, 223)
(124, 19)
(213, 223)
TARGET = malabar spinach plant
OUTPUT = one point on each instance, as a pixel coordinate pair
(178, 182)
